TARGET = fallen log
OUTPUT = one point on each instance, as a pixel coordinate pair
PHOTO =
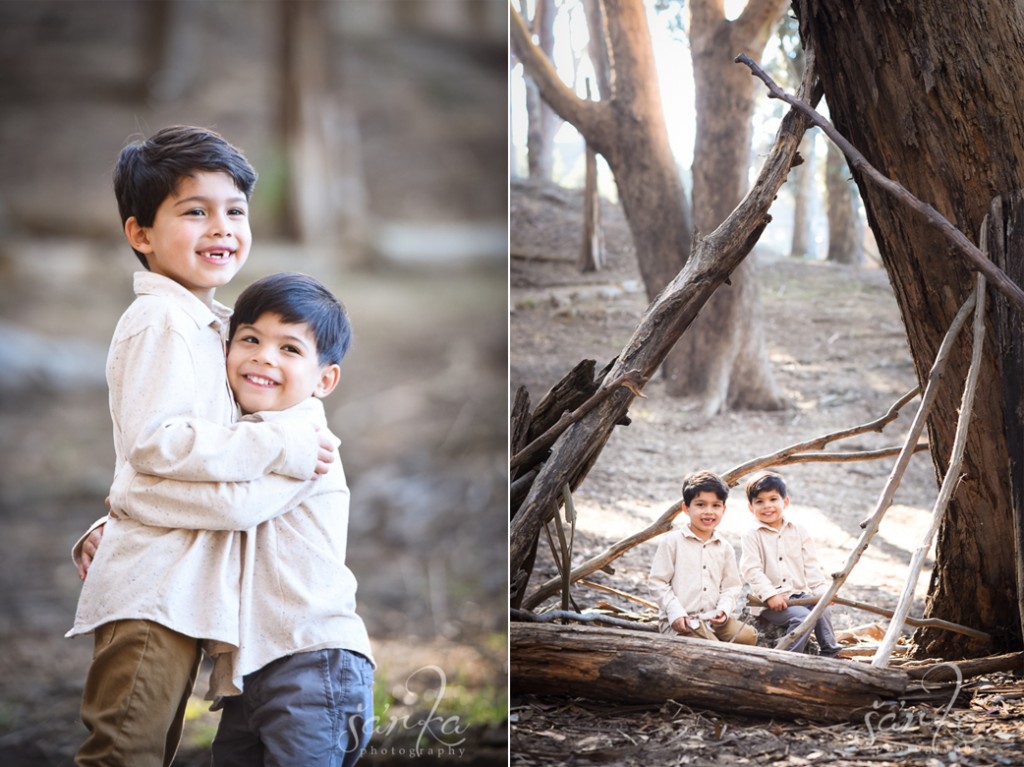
(629, 667)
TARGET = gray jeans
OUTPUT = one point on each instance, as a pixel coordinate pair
(794, 615)
(313, 709)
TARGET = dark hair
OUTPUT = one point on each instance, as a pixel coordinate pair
(149, 170)
(298, 298)
(763, 482)
(704, 481)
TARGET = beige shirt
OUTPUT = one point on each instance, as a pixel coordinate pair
(173, 417)
(296, 593)
(689, 575)
(782, 561)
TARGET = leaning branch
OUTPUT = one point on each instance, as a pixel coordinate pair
(954, 236)
(871, 524)
(632, 380)
(949, 482)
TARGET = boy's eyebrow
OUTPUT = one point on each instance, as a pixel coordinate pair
(200, 198)
(252, 328)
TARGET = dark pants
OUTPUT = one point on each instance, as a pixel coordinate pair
(793, 616)
(313, 709)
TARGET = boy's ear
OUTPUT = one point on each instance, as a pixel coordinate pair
(329, 377)
(138, 235)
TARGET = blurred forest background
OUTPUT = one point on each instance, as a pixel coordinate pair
(378, 128)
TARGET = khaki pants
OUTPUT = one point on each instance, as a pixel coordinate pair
(732, 630)
(139, 682)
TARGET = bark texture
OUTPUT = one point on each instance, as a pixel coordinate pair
(931, 95)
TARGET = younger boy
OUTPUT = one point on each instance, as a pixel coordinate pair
(154, 593)
(303, 653)
(779, 562)
(693, 575)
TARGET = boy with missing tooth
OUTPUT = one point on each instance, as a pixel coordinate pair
(693, 576)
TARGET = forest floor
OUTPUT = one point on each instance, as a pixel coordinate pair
(838, 351)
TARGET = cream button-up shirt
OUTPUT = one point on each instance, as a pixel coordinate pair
(689, 575)
(296, 592)
(173, 416)
(782, 561)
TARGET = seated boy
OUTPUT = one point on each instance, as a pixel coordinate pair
(693, 575)
(779, 562)
(303, 661)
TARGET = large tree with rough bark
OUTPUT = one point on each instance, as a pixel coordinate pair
(930, 93)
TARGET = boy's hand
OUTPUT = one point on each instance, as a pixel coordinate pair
(681, 625)
(89, 548)
(325, 453)
(719, 618)
(777, 603)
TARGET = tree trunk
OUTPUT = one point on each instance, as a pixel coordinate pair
(843, 241)
(542, 122)
(930, 94)
(631, 667)
(802, 245)
(726, 361)
(628, 130)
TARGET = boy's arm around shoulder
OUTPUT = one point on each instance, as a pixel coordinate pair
(155, 385)
(174, 503)
(163, 502)
(663, 570)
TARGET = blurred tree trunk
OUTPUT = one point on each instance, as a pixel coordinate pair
(802, 244)
(843, 239)
(951, 135)
(309, 216)
(542, 122)
(728, 362)
(592, 249)
(175, 56)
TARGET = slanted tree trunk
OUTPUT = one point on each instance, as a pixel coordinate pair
(930, 93)
(728, 360)
(628, 130)
(843, 240)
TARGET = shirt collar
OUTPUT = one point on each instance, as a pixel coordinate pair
(150, 284)
(785, 523)
(688, 533)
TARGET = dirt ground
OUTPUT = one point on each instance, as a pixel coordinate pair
(839, 353)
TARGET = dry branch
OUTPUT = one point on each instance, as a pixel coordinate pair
(627, 667)
(632, 380)
(870, 525)
(937, 623)
(949, 482)
(954, 236)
